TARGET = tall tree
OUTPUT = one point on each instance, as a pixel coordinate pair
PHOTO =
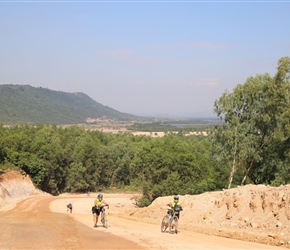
(256, 115)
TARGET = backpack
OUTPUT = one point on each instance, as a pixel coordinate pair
(177, 208)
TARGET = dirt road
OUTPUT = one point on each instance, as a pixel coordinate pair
(31, 225)
(42, 223)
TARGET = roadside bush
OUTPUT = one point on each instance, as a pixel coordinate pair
(143, 202)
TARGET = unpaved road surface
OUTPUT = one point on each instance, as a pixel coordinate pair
(42, 222)
(31, 225)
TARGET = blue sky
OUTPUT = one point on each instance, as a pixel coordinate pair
(170, 58)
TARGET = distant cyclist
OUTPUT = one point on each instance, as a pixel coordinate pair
(175, 205)
(69, 207)
(99, 203)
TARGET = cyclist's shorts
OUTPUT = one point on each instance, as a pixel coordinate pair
(95, 210)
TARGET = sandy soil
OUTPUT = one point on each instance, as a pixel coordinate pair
(42, 222)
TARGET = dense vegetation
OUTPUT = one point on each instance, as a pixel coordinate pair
(75, 160)
(25, 104)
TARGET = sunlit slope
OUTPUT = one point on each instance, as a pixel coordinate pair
(26, 104)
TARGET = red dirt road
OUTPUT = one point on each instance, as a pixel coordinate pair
(32, 225)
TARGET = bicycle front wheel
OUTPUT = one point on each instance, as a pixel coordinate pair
(104, 221)
(164, 224)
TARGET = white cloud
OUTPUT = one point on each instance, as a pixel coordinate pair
(210, 45)
(207, 82)
(115, 53)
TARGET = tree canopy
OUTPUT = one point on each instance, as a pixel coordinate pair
(73, 159)
(254, 140)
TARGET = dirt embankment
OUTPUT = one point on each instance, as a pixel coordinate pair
(255, 213)
(15, 186)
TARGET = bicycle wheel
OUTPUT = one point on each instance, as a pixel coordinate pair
(164, 224)
(173, 225)
(104, 220)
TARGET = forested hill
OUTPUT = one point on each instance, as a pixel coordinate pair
(26, 104)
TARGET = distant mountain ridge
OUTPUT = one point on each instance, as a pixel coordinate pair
(26, 104)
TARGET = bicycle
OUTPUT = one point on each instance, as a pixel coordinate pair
(104, 219)
(170, 221)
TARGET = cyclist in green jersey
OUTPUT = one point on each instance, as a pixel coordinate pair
(99, 203)
(175, 205)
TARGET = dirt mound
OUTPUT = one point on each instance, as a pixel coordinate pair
(15, 186)
(256, 213)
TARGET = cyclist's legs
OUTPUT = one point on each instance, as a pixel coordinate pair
(96, 213)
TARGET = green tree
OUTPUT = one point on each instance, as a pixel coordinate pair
(256, 117)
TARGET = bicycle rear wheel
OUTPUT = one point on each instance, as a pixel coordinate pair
(164, 224)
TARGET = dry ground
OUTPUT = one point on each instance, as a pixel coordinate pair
(249, 217)
(42, 222)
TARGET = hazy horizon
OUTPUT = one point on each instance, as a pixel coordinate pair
(147, 58)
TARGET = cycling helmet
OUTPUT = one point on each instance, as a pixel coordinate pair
(100, 196)
(176, 197)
